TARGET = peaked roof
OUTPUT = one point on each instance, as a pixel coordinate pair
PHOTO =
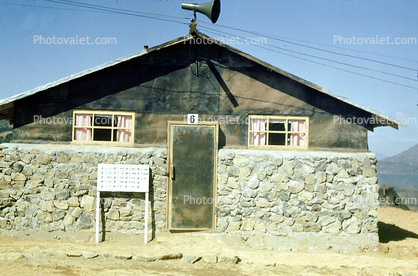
(378, 118)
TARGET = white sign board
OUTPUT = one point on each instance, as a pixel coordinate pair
(192, 119)
(122, 178)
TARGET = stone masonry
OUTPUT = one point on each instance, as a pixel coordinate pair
(52, 188)
(268, 199)
(304, 195)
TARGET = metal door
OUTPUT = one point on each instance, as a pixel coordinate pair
(192, 176)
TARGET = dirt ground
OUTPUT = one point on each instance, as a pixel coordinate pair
(397, 255)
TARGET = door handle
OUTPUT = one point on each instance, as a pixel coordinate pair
(172, 171)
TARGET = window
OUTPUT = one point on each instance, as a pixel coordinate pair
(280, 131)
(103, 127)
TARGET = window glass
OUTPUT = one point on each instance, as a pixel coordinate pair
(277, 125)
(277, 131)
(102, 126)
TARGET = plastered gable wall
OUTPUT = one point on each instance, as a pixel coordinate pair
(163, 85)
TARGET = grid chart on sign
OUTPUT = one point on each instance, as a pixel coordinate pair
(124, 178)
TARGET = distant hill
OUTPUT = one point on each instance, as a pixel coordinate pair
(403, 163)
(380, 156)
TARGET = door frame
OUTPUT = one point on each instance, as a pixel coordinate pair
(215, 176)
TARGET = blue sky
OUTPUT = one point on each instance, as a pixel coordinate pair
(286, 25)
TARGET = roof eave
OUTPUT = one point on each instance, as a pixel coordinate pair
(7, 104)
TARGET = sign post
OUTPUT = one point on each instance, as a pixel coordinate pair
(122, 178)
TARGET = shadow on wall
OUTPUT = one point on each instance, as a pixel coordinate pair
(390, 232)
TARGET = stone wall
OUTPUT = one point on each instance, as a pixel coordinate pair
(315, 199)
(268, 199)
(53, 187)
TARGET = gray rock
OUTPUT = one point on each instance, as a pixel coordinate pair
(309, 180)
(284, 196)
(272, 196)
(262, 203)
(279, 178)
(58, 215)
(47, 205)
(245, 173)
(17, 166)
(305, 196)
(18, 176)
(192, 259)
(211, 259)
(61, 204)
(249, 193)
(320, 165)
(170, 256)
(62, 157)
(296, 186)
(241, 162)
(159, 162)
(278, 162)
(234, 227)
(246, 202)
(232, 183)
(247, 225)
(88, 203)
(334, 228)
(261, 175)
(253, 184)
(85, 221)
(74, 254)
(89, 255)
(44, 159)
(68, 220)
(63, 195)
(123, 256)
(143, 259)
(351, 225)
(333, 168)
(227, 258)
(222, 224)
(369, 172)
(233, 171)
(312, 227)
(283, 230)
(289, 170)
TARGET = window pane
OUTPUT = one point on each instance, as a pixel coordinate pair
(258, 124)
(122, 135)
(82, 119)
(297, 125)
(296, 140)
(276, 125)
(103, 120)
(277, 139)
(124, 121)
(102, 134)
(82, 134)
(257, 138)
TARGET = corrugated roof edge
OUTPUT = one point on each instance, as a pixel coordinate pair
(182, 39)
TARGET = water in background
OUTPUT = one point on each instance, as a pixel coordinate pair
(406, 181)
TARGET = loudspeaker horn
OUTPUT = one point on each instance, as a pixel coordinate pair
(210, 9)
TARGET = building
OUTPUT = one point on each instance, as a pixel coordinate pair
(269, 156)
